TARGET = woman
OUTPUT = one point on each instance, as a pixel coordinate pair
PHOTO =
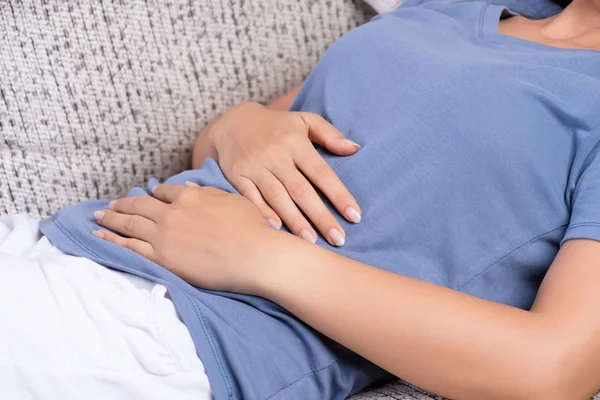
(477, 152)
(477, 171)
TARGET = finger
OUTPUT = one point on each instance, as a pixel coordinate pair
(306, 197)
(328, 136)
(144, 249)
(132, 226)
(167, 193)
(279, 199)
(248, 189)
(144, 206)
(316, 169)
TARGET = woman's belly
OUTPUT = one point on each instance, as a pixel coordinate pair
(463, 165)
(70, 327)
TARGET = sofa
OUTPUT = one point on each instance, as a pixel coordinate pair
(99, 96)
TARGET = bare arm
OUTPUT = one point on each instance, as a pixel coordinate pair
(450, 343)
(284, 102)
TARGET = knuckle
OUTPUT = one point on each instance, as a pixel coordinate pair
(248, 191)
(318, 117)
(299, 190)
(323, 219)
(134, 205)
(321, 173)
(239, 168)
(130, 244)
(272, 194)
(158, 244)
(289, 139)
(306, 117)
(186, 195)
(130, 224)
(174, 214)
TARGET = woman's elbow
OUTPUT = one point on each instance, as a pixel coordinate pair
(560, 376)
(559, 387)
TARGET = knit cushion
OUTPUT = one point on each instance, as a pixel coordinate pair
(399, 390)
(99, 96)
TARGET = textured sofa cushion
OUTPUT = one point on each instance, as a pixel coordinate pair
(399, 390)
(98, 96)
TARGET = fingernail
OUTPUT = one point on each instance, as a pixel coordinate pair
(353, 215)
(350, 142)
(99, 215)
(336, 237)
(98, 234)
(188, 183)
(111, 205)
(306, 235)
(273, 223)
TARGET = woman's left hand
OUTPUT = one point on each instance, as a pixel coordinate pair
(204, 235)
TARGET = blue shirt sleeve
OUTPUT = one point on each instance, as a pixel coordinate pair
(585, 203)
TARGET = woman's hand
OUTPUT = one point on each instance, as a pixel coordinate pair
(269, 158)
(204, 235)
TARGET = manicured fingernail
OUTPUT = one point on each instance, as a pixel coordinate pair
(273, 223)
(351, 143)
(188, 183)
(98, 234)
(99, 215)
(111, 205)
(353, 215)
(336, 237)
(307, 235)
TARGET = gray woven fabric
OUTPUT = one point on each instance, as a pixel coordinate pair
(402, 391)
(98, 96)
(395, 391)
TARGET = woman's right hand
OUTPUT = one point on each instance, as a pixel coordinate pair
(269, 157)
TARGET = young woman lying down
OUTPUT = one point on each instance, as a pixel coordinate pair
(445, 231)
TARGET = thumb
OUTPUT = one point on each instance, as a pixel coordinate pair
(326, 135)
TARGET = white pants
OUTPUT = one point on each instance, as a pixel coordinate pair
(73, 329)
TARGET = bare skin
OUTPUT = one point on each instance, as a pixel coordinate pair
(577, 27)
(450, 343)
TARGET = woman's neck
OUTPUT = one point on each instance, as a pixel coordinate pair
(577, 26)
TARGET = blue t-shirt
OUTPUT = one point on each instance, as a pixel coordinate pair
(478, 158)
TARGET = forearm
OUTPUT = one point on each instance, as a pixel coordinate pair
(203, 148)
(447, 342)
(284, 102)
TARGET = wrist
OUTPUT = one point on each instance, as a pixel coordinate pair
(210, 138)
(281, 258)
(233, 121)
(204, 147)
